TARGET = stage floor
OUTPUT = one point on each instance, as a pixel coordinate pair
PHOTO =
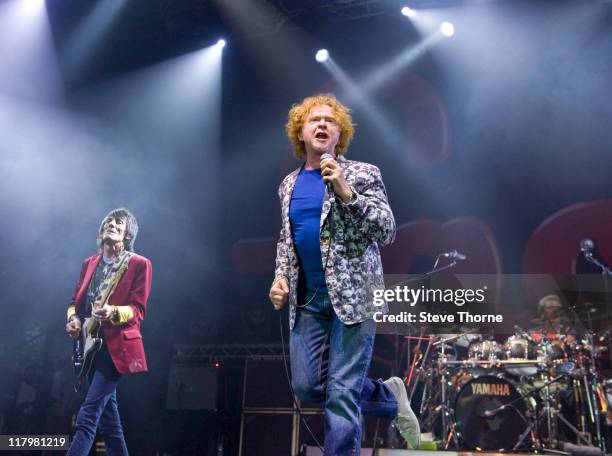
(314, 451)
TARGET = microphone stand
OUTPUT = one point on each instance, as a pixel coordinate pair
(523, 396)
(605, 270)
(533, 421)
(435, 270)
(591, 386)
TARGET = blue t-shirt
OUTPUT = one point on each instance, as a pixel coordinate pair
(305, 217)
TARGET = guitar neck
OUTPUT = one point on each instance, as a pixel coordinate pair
(103, 297)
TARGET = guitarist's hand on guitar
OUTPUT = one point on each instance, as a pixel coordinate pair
(73, 327)
(103, 313)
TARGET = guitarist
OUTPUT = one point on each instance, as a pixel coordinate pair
(119, 317)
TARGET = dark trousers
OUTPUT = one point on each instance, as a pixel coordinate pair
(100, 410)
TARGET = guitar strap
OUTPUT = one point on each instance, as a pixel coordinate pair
(114, 276)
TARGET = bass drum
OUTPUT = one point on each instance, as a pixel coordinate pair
(500, 432)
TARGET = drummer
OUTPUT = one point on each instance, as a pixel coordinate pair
(552, 321)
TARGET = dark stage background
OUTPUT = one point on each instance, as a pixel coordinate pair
(481, 139)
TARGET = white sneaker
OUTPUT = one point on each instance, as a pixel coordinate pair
(407, 422)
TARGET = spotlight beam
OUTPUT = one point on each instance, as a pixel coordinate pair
(88, 35)
(356, 97)
(382, 75)
(28, 57)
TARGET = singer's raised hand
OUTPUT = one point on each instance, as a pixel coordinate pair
(332, 172)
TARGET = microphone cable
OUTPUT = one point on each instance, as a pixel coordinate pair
(282, 332)
(295, 402)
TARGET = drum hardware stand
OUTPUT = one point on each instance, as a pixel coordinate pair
(579, 399)
(590, 386)
(438, 402)
(427, 420)
(593, 399)
(444, 408)
(440, 342)
(552, 413)
(532, 420)
(448, 432)
(443, 400)
(523, 436)
(429, 403)
(586, 247)
(423, 360)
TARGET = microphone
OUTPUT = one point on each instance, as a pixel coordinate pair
(454, 255)
(521, 332)
(329, 185)
(492, 413)
(586, 247)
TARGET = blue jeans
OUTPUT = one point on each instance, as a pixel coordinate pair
(99, 407)
(329, 362)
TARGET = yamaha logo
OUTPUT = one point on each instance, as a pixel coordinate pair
(491, 389)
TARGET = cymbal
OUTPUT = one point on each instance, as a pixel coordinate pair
(586, 304)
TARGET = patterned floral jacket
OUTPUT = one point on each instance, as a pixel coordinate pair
(354, 265)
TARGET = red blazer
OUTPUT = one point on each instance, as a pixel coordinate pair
(124, 342)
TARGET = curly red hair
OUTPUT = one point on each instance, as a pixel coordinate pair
(299, 112)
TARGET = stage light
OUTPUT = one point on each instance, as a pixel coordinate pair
(33, 6)
(28, 54)
(322, 55)
(447, 28)
(221, 43)
(408, 12)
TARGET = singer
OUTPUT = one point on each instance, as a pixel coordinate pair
(328, 248)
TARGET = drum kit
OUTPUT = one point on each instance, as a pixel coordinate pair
(531, 392)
